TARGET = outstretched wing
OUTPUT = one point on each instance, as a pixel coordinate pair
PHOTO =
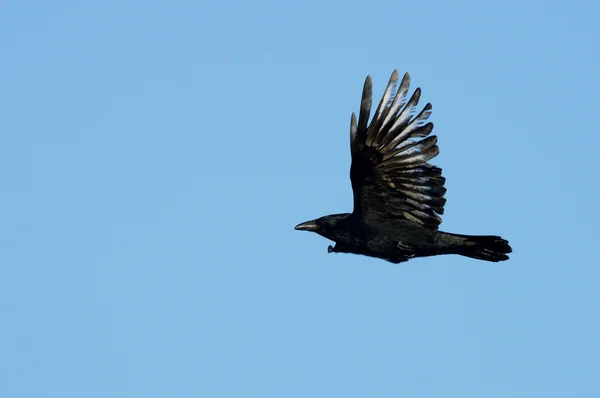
(390, 176)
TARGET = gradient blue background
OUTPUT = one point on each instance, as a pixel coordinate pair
(155, 157)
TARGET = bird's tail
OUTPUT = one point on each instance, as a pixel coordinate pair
(487, 247)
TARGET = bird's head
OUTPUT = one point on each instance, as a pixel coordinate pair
(327, 226)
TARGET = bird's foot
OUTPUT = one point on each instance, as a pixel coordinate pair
(405, 246)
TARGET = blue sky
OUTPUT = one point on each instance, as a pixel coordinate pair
(155, 157)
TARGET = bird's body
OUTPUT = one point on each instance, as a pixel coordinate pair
(398, 196)
(392, 240)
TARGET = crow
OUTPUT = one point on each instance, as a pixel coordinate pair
(398, 195)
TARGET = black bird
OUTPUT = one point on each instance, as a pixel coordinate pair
(398, 195)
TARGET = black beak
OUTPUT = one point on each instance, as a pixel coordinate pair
(307, 226)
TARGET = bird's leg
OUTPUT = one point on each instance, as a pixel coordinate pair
(408, 248)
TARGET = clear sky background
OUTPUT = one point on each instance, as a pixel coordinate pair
(155, 157)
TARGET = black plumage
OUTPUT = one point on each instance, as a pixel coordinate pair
(398, 195)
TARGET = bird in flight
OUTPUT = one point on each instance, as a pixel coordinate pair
(398, 195)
